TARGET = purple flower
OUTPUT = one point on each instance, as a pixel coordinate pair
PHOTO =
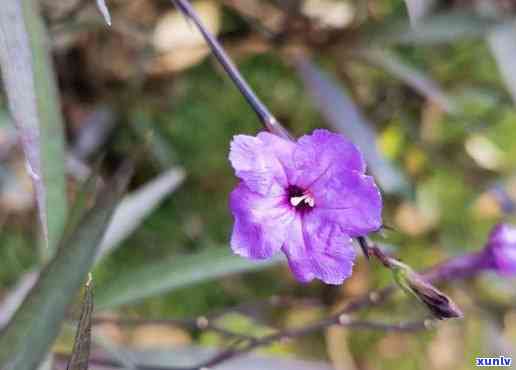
(501, 249)
(306, 198)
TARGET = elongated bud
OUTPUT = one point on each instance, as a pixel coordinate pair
(438, 303)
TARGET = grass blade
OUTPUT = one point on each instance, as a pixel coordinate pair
(81, 346)
(433, 29)
(502, 43)
(14, 299)
(30, 86)
(35, 325)
(135, 207)
(341, 113)
(164, 276)
(411, 76)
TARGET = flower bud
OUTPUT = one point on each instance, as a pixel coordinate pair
(438, 303)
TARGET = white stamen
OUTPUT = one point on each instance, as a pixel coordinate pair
(310, 201)
(295, 201)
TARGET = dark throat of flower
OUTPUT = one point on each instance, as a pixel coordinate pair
(302, 200)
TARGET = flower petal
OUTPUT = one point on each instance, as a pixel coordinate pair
(350, 199)
(323, 153)
(319, 250)
(282, 149)
(256, 161)
(502, 248)
(261, 223)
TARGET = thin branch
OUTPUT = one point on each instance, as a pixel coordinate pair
(243, 346)
(295, 333)
(207, 322)
(372, 250)
(200, 323)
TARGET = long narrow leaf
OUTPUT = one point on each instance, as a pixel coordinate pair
(434, 29)
(82, 343)
(502, 41)
(135, 207)
(15, 297)
(164, 276)
(411, 76)
(35, 325)
(30, 86)
(341, 113)
(100, 340)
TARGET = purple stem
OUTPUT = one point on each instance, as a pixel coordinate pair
(460, 267)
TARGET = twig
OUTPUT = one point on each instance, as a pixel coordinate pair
(200, 323)
(372, 250)
(207, 322)
(243, 346)
(294, 333)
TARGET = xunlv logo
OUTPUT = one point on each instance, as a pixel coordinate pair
(494, 361)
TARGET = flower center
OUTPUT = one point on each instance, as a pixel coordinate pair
(301, 199)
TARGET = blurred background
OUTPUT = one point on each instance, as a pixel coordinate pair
(435, 92)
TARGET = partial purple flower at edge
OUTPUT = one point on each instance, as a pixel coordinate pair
(501, 249)
(306, 198)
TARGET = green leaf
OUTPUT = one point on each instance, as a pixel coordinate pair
(82, 343)
(136, 206)
(30, 86)
(35, 325)
(439, 28)
(12, 300)
(411, 76)
(176, 272)
(80, 204)
(503, 47)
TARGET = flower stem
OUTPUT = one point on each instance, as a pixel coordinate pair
(372, 250)
(460, 267)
